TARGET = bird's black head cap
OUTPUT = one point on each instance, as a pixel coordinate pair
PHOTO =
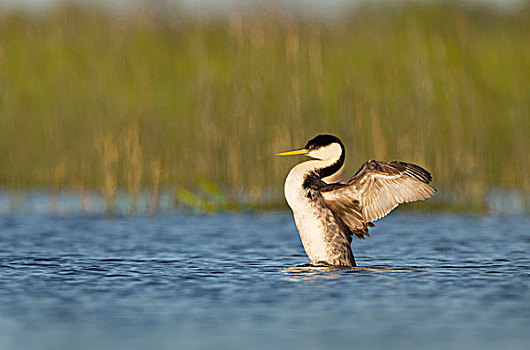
(322, 140)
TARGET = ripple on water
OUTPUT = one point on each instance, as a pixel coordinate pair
(424, 281)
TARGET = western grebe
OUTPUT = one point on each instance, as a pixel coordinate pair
(328, 214)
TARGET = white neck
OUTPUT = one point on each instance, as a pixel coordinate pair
(295, 180)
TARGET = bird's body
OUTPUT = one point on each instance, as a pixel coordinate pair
(327, 215)
(324, 235)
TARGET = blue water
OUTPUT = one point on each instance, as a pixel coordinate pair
(228, 281)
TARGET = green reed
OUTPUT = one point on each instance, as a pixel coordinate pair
(92, 100)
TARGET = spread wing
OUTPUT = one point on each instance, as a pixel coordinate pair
(376, 189)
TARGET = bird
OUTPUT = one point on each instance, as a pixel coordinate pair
(328, 215)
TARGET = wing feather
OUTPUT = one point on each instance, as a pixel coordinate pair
(376, 189)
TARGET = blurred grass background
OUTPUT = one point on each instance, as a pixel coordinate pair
(94, 101)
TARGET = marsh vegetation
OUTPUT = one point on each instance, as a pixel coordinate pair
(94, 101)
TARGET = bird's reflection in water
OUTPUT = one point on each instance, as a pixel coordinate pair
(309, 271)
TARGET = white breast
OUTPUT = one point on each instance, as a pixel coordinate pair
(307, 214)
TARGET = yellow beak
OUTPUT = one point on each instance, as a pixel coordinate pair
(293, 153)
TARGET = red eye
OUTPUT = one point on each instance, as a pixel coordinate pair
(312, 147)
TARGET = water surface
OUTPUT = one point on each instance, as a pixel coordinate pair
(230, 281)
